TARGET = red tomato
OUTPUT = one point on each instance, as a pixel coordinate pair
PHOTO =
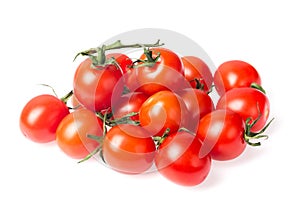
(128, 149)
(124, 61)
(94, 85)
(198, 104)
(233, 74)
(40, 117)
(165, 74)
(128, 103)
(163, 110)
(178, 159)
(248, 103)
(222, 133)
(71, 134)
(195, 68)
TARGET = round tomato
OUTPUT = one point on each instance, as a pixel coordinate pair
(40, 117)
(128, 149)
(163, 110)
(234, 74)
(72, 133)
(164, 74)
(127, 104)
(198, 104)
(94, 85)
(222, 133)
(197, 73)
(248, 103)
(178, 159)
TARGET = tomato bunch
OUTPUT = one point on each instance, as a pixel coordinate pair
(154, 112)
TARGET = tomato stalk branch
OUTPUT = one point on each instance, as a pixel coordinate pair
(100, 51)
(249, 136)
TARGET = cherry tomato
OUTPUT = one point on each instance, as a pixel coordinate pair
(127, 104)
(248, 103)
(40, 117)
(164, 74)
(123, 60)
(198, 104)
(72, 133)
(178, 159)
(222, 133)
(128, 149)
(94, 85)
(195, 70)
(233, 74)
(163, 110)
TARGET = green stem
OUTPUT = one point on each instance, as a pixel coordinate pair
(249, 136)
(67, 96)
(258, 87)
(91, 154)
(116, 45)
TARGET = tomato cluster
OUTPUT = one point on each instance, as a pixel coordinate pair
(153, 113)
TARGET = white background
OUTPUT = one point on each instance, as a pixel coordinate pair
(38, 40)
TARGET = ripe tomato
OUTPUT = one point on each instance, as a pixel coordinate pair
(198, 104)
(128, 149)
(163, 110)
(178, 159)
(233, 74)
(222, 133)
(195, 70)
(94, 85)
(71, 134)
(164, 74)
(248, 103)
(40, 117)
(123, 60)
(128, 103)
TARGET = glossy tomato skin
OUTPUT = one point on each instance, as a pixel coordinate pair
(71, 134)
(247, 102)
(198, 104)
(195, 68)
(94, 85)
(128, 149)
(178, 159)
(123, 60)
(128, 103)
(163, 110)
(41, 116)
(222, 133)
(165, 74)
(235, 74)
